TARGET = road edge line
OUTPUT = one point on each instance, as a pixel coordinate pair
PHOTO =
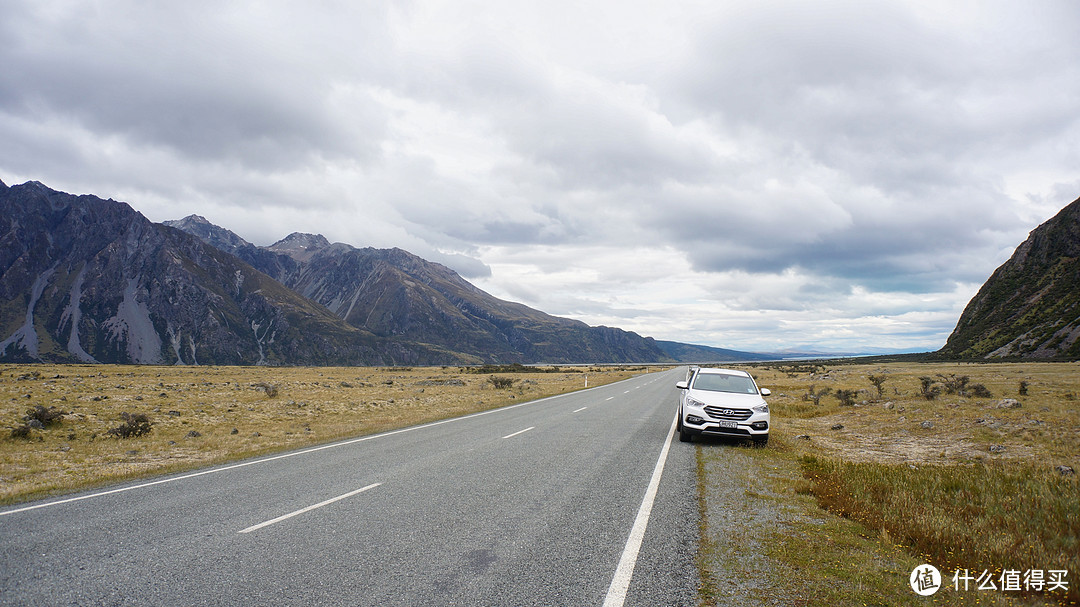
(620, 582)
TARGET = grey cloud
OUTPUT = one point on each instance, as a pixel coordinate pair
(202, 82)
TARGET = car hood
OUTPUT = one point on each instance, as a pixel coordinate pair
(726, 399)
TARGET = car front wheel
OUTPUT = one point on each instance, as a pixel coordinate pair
(685, 436)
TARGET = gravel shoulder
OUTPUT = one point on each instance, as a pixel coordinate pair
(765, 541)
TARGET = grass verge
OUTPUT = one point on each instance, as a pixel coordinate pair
(875, 469)
(106, 423)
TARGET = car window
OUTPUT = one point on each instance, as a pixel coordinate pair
(714, 382)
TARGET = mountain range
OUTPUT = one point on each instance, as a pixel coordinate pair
(84, 279)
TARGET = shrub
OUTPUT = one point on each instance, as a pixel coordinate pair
(501, 383)
(879, 383)
(954, 384)
(1023, 388)
(22, 431)
(135, 424)
(816, 396)
(47, 417)
(979, 391)
(928, 390)
(846, 397)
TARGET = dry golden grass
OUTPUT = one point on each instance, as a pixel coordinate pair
(208, 415)
(960, 481)
(892, 428)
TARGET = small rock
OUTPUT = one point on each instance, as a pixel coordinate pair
(133, 452)
(803, 437)
(1009, 403)
(927, 424)
(997, 448)
(256, 434)
(194, 434)
(1065, 470)
(838, 427)
(35, 424)
(888, 406)
(174, 413)
(235, 431)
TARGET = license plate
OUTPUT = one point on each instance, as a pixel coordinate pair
(726, 424)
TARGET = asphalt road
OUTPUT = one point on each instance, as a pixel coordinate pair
(531, 504)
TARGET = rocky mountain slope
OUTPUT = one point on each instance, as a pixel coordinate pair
(397, 295)
(89, 280)
(1030, 306)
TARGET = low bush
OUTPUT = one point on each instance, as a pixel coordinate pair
(135, 424)
(928, 389)
(846, 397)
(47, 417)
(816, 395)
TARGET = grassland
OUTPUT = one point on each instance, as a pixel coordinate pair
(850, 495)
(855, 491)
(205, 415)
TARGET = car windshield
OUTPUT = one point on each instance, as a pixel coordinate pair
(715, 382)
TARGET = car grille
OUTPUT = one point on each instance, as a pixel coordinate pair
(724, 413)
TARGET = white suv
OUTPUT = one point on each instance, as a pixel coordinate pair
(722, 402)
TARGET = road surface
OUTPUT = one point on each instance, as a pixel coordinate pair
(540, 503)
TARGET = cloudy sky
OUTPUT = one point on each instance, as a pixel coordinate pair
(752, 175)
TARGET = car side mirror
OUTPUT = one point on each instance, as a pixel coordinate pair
(765, 392)
(682, 385)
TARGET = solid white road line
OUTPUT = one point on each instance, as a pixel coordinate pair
(519, 432)
(616, 594)
(308, 509)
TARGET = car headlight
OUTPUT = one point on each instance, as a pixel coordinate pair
(693, 402)
(762, 408)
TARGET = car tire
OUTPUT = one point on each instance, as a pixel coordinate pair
(685, 436)
(761, 441)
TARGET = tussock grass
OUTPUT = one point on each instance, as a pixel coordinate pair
(963, 480)
(186, 417)
(991, 516)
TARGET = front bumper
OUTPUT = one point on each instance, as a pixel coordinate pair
(697, 421)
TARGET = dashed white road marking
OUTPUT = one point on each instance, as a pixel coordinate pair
(519, 432)
(579, 410)
(308, 509)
